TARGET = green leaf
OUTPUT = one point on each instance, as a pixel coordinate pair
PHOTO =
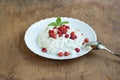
(64, 22)
(58, 20)
(52, 24)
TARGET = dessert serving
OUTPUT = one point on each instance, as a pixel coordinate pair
(60, 39)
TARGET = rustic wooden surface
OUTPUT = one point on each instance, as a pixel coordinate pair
(17, 62)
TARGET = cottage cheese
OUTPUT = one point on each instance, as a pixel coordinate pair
(63, 44)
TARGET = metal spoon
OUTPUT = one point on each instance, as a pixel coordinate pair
(99, 46)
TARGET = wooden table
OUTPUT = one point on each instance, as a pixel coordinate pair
(17, 62)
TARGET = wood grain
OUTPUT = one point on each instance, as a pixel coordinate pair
(17, 62)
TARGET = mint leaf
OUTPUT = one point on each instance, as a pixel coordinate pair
(52, 24)
(58, 20)
(64, 22)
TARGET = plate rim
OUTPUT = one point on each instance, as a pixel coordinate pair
(60, 58)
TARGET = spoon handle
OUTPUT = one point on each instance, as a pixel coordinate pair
(117, 55)
(113, 53)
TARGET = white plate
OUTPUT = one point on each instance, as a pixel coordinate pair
(34, 30)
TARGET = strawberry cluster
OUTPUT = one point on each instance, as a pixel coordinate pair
(52, 34)
(73, 36)
(62, 30)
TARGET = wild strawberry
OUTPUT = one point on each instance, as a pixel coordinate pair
(66, 35)
(52, 34)
(60, 54)
(86, 40)
(44, 50)
(72, 33)
(77, 49)
(60, 28)
(51, 31)
(67, 27)
(73, 37)
(59, 32)
(66, 53)
(64, 31)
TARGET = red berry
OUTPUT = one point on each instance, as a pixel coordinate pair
(51, 31)
(66, 53)
(52, 34)
(67, 27)
(77, 49)
(60, 54)
(44, 50)
(72, 33)
(66, 35)
(86, 40)
(59, 32)
(60, 28)
(64, 30)
(73, 37)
